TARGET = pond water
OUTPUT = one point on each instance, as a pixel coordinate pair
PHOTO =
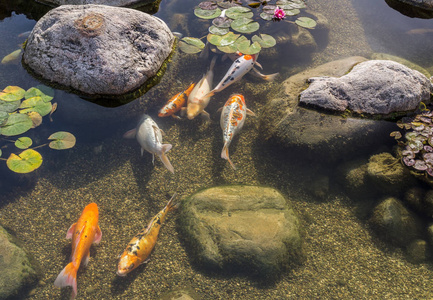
(344, 259)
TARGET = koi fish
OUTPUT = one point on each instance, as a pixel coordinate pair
(83, 233)
(142, 244)
(175, 103)
(232, 120)
(241, 66)
(149, 136)
(12, 58)
(197, 101)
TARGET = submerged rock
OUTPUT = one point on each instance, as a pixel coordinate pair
(376, 87)
(318, 135)
(97, 50)
(241, 228)
(17, 269)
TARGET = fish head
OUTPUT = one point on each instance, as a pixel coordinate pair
(127, 263)
(192, 110)
(91, 210)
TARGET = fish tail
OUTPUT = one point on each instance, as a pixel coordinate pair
(210, 94)
(270, 77)
(68, 277)
(225, 155)
(164, 159)
(172, 205)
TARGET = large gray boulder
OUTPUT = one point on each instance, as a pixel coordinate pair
(104, 2)
(98, 50)
(17, 269)
(241, 228)
(376, 87)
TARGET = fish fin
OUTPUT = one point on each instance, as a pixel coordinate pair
(155, 131)
(153, 159)
(98, 235)
(130, 134)
(162, 132)
(205, 115)
(270, 77)
(220, 109)
(146, 261)
(68, 277)
(164, 159)
(210, 94)
(225, 155)
(212, 63)
(176, 117)
(86, 259)
(250, 113)
(259, 65)
(70, 232)
(172, 205)
(142, 151)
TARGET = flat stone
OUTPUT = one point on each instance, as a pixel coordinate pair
(98, 50)
(241, 228)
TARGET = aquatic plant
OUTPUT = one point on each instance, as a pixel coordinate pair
(229, 16)
(417, 150)
(20, 111)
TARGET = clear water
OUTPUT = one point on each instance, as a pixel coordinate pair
(344, 258)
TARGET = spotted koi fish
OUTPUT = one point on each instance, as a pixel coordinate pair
(175, 103)
(241, 66)
(83, 233)
(140, 247)
(232, 120)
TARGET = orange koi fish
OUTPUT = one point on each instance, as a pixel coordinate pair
(232, 120)
(140, 247)
(83, 233)
(175, 103)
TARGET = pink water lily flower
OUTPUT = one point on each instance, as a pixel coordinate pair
(279, 14)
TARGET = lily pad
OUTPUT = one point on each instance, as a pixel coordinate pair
(9, 106)
(26, 162)
(396, 134)
(226, 5)
(248, 48)
(228, 49)
(306, 22)
(239, 12)
(36, 104)
(191, 45)
(222, 22)
(23, 142)
(222, 40)
(293, 3)
(207, 14)
(3, 116)
(62, 140)
(0, 152)
(35, 92)
(245, 25)
(292, 12)
(16, 124)
(12, 93)
(267, 17)
(254, 4)
(36, 118)
(208, 5)
(265, 40)
(218, 30)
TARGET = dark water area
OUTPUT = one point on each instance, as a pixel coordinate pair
(345, 259)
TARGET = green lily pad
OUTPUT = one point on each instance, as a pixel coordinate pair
(222, 22)
(245, 25)
(226, 5)
(3, 116)
(292, 3)
(36, 104)
(207, 14)
(237, 12)
(218, 30)
(0, 152)
(9, 106)
(242, 40)
(248, 48)
(16, 124)
(292, 12)
(228, 49)
(12, 93)
(267, 17)
(191, 45)
(26, 162)
(35, 92)
(214, 39)
(222, 40)
(62, 140)
(306, 22)
(23, 142)
(265, 40)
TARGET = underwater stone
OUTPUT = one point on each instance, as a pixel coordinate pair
(98, 50)
(395, 223)
(17, 269)
(241, 228)
(417, 251)
(376, 87)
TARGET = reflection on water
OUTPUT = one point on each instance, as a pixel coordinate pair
(344, 259)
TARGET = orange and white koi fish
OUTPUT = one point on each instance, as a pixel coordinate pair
(175, 103)
(197, 101)
(241, 66)
(232, 120)
(140, 247)
(83, 233)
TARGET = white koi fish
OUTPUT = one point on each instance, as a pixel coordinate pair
(149, 136)
(241, 66)
(197, 101)
(232, 120)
